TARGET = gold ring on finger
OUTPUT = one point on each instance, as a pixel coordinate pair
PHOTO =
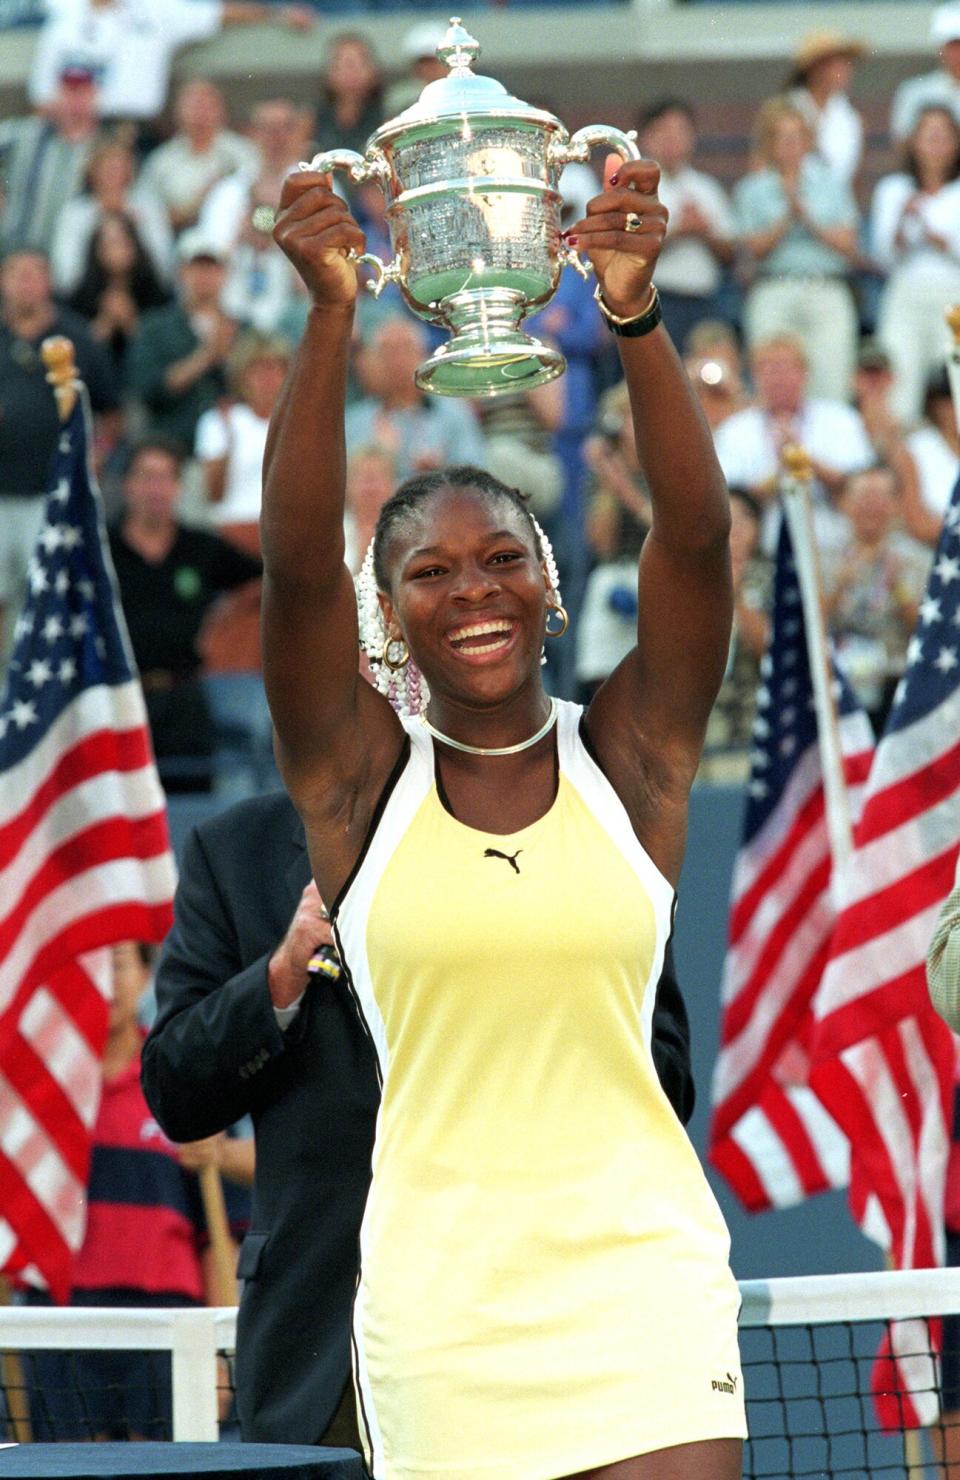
(632, 222)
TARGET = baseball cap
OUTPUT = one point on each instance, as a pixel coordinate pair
(945, 23)
(195, 244)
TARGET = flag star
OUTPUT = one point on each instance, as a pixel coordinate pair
(900, 692)
(79, 624)
(792, 596)
(929, 610)
(791, 628)
(61, 583)
(39, 673)
(788, 716)
(914, 651)
(763, 696)
(67, 670)
(37, 577)
(52, 628)
(948, 569)
(85, 588)
(23, 713)
(790, 658)
(945, 659)
(51, 538)
(759, 789)
(760, 728)
(62, 491)
(759, 758)
(788, 688)
(71, 536)
(952, 517)
(766, 665)
(788, 744)
(23, 625)
(65, 442)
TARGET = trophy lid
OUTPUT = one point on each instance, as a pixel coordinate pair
(463, 91)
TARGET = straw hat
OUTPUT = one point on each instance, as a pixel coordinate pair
(817, 46)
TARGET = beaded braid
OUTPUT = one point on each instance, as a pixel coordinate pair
(406, 687)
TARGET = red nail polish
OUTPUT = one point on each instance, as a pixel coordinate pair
(572, 241)
(614, 178)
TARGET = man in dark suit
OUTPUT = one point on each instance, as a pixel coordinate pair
(219, 1050)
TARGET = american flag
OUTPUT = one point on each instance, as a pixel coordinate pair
(85, 862)
(770, 1136)
(883, 1059)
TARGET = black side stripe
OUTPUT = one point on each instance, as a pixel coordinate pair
(367, 1436)
(357, 1004)
(378, 811)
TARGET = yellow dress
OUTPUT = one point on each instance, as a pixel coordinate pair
(544, 1280)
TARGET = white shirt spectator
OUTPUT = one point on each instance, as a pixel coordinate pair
(838, 129)
(240, 436)
(832, 433)
(179, 175)
(938, 213)
(78, 221)
(686, 264)
(937, 467)
(932, 90)
(129, 46)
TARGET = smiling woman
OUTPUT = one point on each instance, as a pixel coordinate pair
(544, 1289)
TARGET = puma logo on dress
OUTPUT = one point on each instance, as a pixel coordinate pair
(510, 858)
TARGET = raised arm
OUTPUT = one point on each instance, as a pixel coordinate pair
(648, 719)
(322, 710)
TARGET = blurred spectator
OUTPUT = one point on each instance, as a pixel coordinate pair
(729, 728)
(419, 52)
(177, 359)
(750, 443)
(129, 45)
(872, 591)
(617, 519)
(280, 134)
(823, 65)
(371, 478)
(719, 392)
(798, 223)
(351, 105)
(230, 442)
(872, 390)
(118, 283)
(700, 231)
(44, 159)
(419, 432)
(181, 172)
(915, 232)
(168, 577)
(112, 189)
(29, 426)
(932, 462)
(518, 434)
(143, 1246)
(714, 339)
(939, 89)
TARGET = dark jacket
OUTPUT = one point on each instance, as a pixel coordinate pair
(215, 1053)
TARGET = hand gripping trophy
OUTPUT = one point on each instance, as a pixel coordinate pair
(470, 175)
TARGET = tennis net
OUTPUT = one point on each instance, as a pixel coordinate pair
(808, 1346)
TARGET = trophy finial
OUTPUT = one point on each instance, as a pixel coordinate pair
(796, 463)
(458, 48)
(952, 317)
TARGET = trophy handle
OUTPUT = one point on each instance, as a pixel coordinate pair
(359, 167)
(578, 149)
(387, 272)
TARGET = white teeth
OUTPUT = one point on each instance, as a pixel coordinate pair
(487, 647)
(481, 629)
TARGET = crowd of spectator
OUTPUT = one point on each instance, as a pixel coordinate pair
(807, 298)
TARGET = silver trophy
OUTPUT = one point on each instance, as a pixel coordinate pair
(470, 175)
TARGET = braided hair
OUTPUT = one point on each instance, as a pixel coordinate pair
(404, 685)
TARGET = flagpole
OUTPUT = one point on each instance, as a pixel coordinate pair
(58, 356)
(796, 478)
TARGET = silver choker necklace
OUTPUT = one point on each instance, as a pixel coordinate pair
(547, 725)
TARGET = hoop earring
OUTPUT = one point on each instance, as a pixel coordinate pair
(561, 612)
(388, 657)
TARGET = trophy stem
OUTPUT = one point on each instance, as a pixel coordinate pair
(488, 355)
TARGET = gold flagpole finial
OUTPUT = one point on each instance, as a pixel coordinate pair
(952, 317)
(796, 463)
(59, 358)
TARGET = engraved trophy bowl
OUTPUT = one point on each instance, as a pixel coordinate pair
(470, 175)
